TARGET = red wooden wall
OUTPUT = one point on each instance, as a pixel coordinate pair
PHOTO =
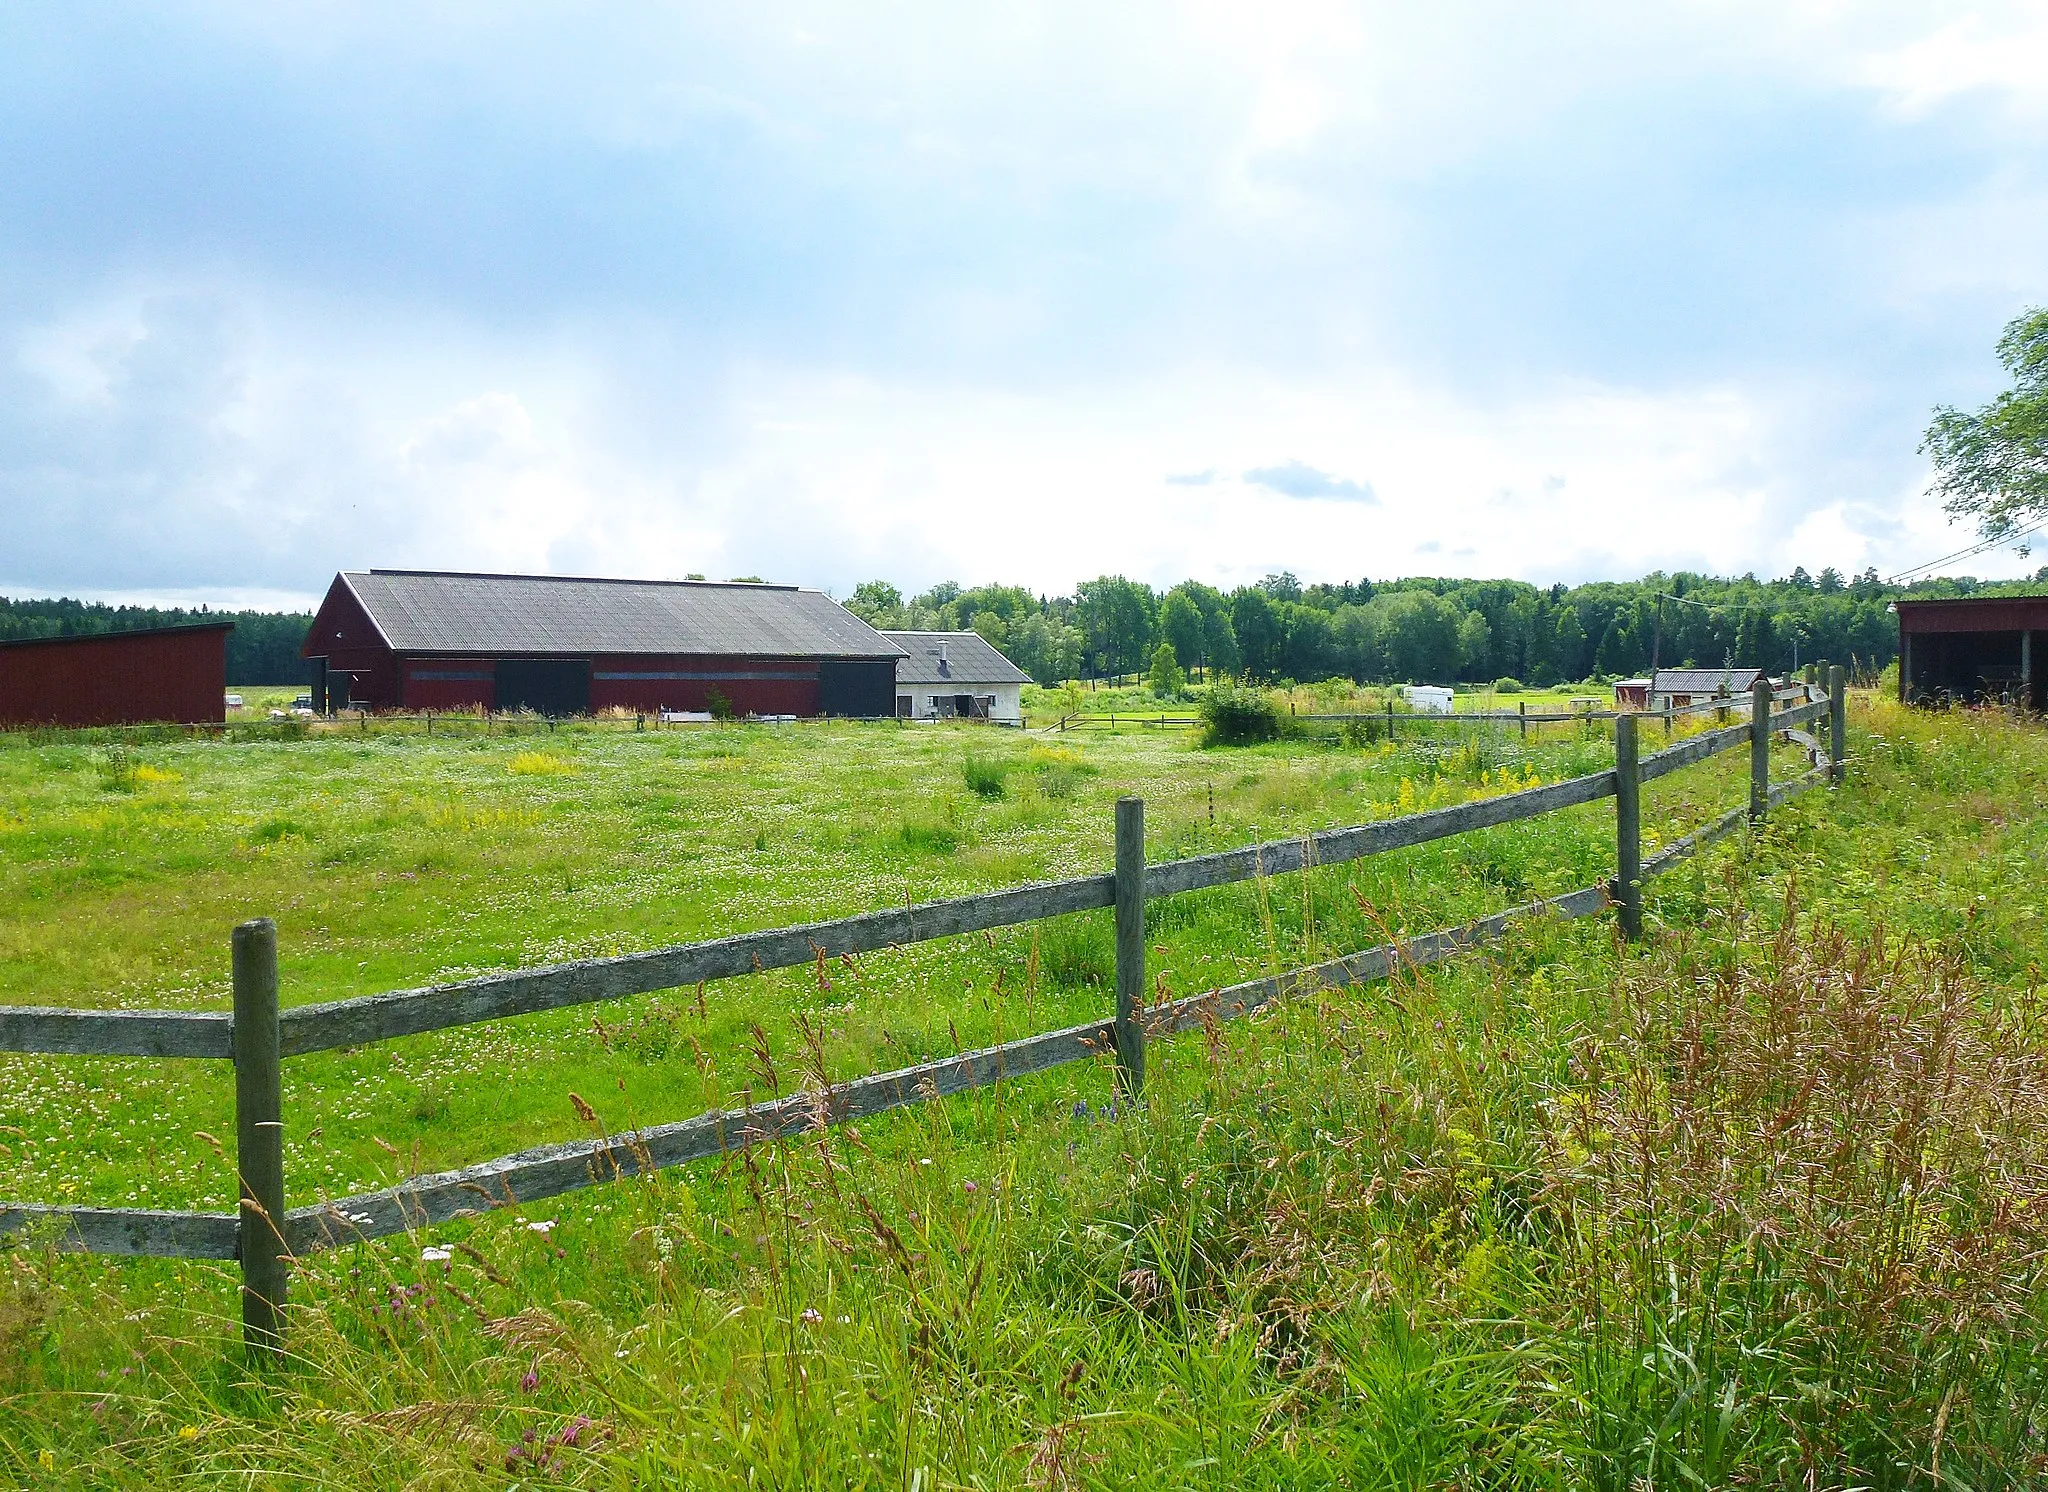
(120, 678)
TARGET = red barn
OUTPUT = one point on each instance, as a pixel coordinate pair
(177, 674)
(565, 645)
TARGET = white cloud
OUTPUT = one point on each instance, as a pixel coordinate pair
(822, 293)
(2002, 54)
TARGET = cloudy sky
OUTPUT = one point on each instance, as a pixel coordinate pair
(1029, 293)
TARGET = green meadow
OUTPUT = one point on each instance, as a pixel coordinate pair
(1760, 1202)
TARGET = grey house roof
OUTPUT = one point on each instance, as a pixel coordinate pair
(1703, 680)
(424, 611)
(952, 658)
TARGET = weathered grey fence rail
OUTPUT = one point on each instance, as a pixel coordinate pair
(263, 1235)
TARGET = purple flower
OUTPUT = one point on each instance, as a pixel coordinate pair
(969, 1187)
(529, 1381)
(1080, 1108)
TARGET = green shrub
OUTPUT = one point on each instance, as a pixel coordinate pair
(933, 839)
(116, 768)
(1363, 730)
(716, 702)
(1508, 685)
(430, 1102)
(1236, 715)
(987, 776)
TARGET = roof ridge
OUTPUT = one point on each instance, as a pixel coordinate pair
(752, 585)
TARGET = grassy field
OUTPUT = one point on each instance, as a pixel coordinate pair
(1762, 1202)
(1043, 706)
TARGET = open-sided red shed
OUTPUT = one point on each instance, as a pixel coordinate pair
(1973, 648)
(177, 674)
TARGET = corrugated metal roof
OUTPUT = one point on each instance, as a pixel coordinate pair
(969, 659)
(1703, 680)
(423, 611)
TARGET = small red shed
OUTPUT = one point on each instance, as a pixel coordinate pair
(1974, 648)
(177, 674)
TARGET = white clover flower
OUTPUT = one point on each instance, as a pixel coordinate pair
(546, 1225)
(435, 1255)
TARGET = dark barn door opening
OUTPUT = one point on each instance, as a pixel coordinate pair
(546, 686)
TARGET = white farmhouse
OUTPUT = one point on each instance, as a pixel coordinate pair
(956, 675)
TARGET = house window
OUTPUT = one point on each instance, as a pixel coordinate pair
(905, 703)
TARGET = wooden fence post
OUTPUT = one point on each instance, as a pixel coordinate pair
(1628, 830)
(1838, 726)
(1759, 748)
(259, 1137)
(1522, 709)
(1130, 944)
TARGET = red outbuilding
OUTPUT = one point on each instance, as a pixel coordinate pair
(1974, 648)
(567, 645)
(177, 674)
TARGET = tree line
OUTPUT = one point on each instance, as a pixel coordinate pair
(1425, 629)
(1419, 630)
(263, 648)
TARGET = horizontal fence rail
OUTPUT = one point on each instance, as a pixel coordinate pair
(116, 1033)
(263, 1235)
(147, 1231)
(314, 1028)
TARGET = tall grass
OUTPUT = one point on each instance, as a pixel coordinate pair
(1759, 1204)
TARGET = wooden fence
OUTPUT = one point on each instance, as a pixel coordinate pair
(1390, 720)
(264, 1235)
(1109, 721)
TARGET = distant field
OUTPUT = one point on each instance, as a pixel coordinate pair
(259, 699)
(1549, 1218)
(1044, 706)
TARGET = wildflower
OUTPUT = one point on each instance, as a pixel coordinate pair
(1080, 1108)
(188, 1432)
(810, 1317)
(574, 1429)
(529, 1380)
(47, 1459)
(969, 1187)
(543, 1227)
(924, 1160)
(844, 1320)
(435, 1255)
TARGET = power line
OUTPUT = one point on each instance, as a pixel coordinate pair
(1948, 559)
(1716, 605)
